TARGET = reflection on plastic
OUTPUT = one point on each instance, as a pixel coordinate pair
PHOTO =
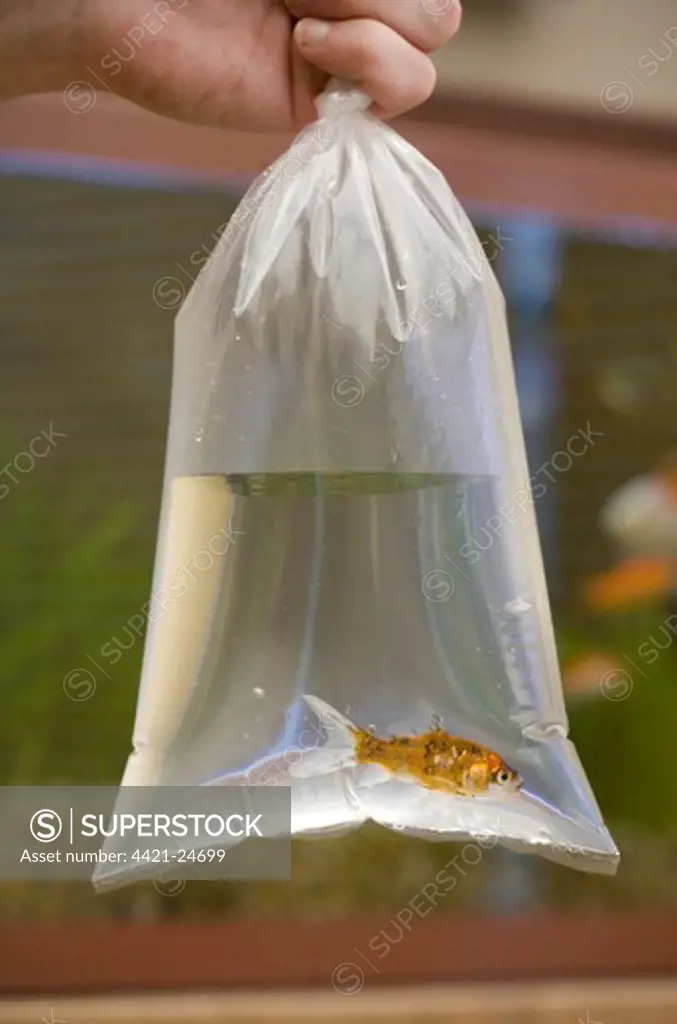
(369, 570)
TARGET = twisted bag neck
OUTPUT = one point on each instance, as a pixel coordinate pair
(341, 98)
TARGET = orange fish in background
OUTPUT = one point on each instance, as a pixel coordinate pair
(585, 676)
(633, 581)
(435, 759)
(641, 516)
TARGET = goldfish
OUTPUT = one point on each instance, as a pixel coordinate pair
(585, 676)
(641, 517)
(435, 759)
(631, 582)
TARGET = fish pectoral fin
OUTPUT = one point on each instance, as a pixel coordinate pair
(445, 786)
(373, 775)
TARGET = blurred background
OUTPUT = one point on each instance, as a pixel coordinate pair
(95, 248)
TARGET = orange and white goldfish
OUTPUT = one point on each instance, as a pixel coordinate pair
(641, 517)
(584, 676)
(435, 759)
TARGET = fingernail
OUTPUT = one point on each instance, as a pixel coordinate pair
(311, 31)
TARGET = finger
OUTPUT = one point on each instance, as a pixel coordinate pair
(394, 73)
(427, 24)
(308, 81)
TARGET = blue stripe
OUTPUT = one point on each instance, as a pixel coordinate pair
(632, 231)
(120, 173)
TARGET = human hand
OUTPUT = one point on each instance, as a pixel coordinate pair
(249, 64)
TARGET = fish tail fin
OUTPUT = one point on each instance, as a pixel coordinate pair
(338, 749)
(340, 730)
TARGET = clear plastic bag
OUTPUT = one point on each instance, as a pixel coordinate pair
(347, 534)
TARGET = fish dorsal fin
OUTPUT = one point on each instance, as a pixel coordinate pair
(421, 720)
(436, 723)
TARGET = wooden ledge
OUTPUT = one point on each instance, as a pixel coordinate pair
(591, 1003)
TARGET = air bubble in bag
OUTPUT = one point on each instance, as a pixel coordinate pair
(346, 512)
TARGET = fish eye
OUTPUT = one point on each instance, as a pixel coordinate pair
(503, 777)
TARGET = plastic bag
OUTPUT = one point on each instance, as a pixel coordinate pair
(347, 534)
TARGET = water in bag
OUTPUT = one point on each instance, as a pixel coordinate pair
(348, 550)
